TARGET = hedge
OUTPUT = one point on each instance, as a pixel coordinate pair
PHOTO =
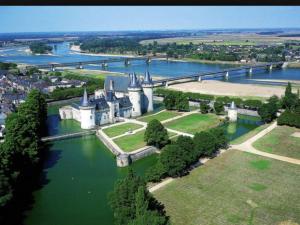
(289, 118)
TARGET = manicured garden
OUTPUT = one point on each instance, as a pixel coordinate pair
(133, 142)
(160, 116)
(194, 123)
(121, 129)
(281, 142)
(234, 188)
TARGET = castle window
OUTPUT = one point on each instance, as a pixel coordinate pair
(91, 117)
(132, 109)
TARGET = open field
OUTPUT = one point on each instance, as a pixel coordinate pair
(133, 142)
(160, 116)
(121, 129)
(94, 73)
(194, 123)
(279, 141)
(215, 87)
(234, 188)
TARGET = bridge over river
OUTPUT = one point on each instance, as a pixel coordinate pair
(102, 62)
(222, 73)
(68, 135)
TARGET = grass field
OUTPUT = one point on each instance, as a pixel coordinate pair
(194, 123)
(279, 141)
(133, 142)
(235, 188)
(160, 116)
(121, 129)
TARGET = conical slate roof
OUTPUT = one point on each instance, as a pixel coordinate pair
(147, 78)
(85, 100)
(134, 83)
(232, 106)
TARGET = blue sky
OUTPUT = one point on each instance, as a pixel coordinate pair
(113, 18)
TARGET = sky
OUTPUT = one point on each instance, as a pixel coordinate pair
(120, 18)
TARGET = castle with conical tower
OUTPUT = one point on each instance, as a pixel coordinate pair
(121, 97)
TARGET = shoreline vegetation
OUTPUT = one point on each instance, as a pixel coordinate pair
(76, 50)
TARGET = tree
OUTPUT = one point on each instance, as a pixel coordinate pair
(219, 107)
(156, 172)
(186, 146)
(221, 141)
(122, 198)
(182, 103)
(170, 101)
(156, 134)
(172, 160)
(267, 112)
(204, 107)
(289, 99)
(204, 143)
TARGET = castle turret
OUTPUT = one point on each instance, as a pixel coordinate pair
(148, 93)
(87, 113)
(113, 103)
(134, 92)
(232, 112)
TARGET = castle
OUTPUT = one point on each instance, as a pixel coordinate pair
(121, 97)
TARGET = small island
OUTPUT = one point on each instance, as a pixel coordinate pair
(40, 48)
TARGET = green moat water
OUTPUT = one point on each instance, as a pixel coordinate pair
(79, 173)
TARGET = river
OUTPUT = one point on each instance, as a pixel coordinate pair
(63, 53)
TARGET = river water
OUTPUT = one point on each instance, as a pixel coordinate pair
(62, 53)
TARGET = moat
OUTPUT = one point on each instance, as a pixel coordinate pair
(80, 172)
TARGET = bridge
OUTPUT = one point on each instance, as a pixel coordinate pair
(68, 135)
(222, 73)
(102, 62)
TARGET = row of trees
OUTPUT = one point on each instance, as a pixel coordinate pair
(177, 157)
(132, 203)
(174, 97)
(20, 154)
(291, 102)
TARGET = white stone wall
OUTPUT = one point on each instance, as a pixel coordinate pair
(66, 112)
(135, 99)
(148, 98)
(126, 113)
(102, 117)
(76, 114)
(87, 115)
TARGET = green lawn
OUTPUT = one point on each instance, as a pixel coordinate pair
(234, 188)
(194, 123)
(121, 129)
(133, 142)
(160, 116)
(279, 141)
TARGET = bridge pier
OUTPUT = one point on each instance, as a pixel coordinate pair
(270, 67)
(80, 66)
(200, 78)
(167, 84)
(148, 60)
(127, 62)
(104, 65)
(53, 68)
(250, 70)
(226, 75)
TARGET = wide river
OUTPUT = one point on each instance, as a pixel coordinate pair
(63, 53)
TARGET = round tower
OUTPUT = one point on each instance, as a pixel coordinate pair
(87, 113)
(232, 112)
(148, 92)
(134, 92)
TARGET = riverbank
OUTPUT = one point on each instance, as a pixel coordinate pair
(294, 64)
(214, 87)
